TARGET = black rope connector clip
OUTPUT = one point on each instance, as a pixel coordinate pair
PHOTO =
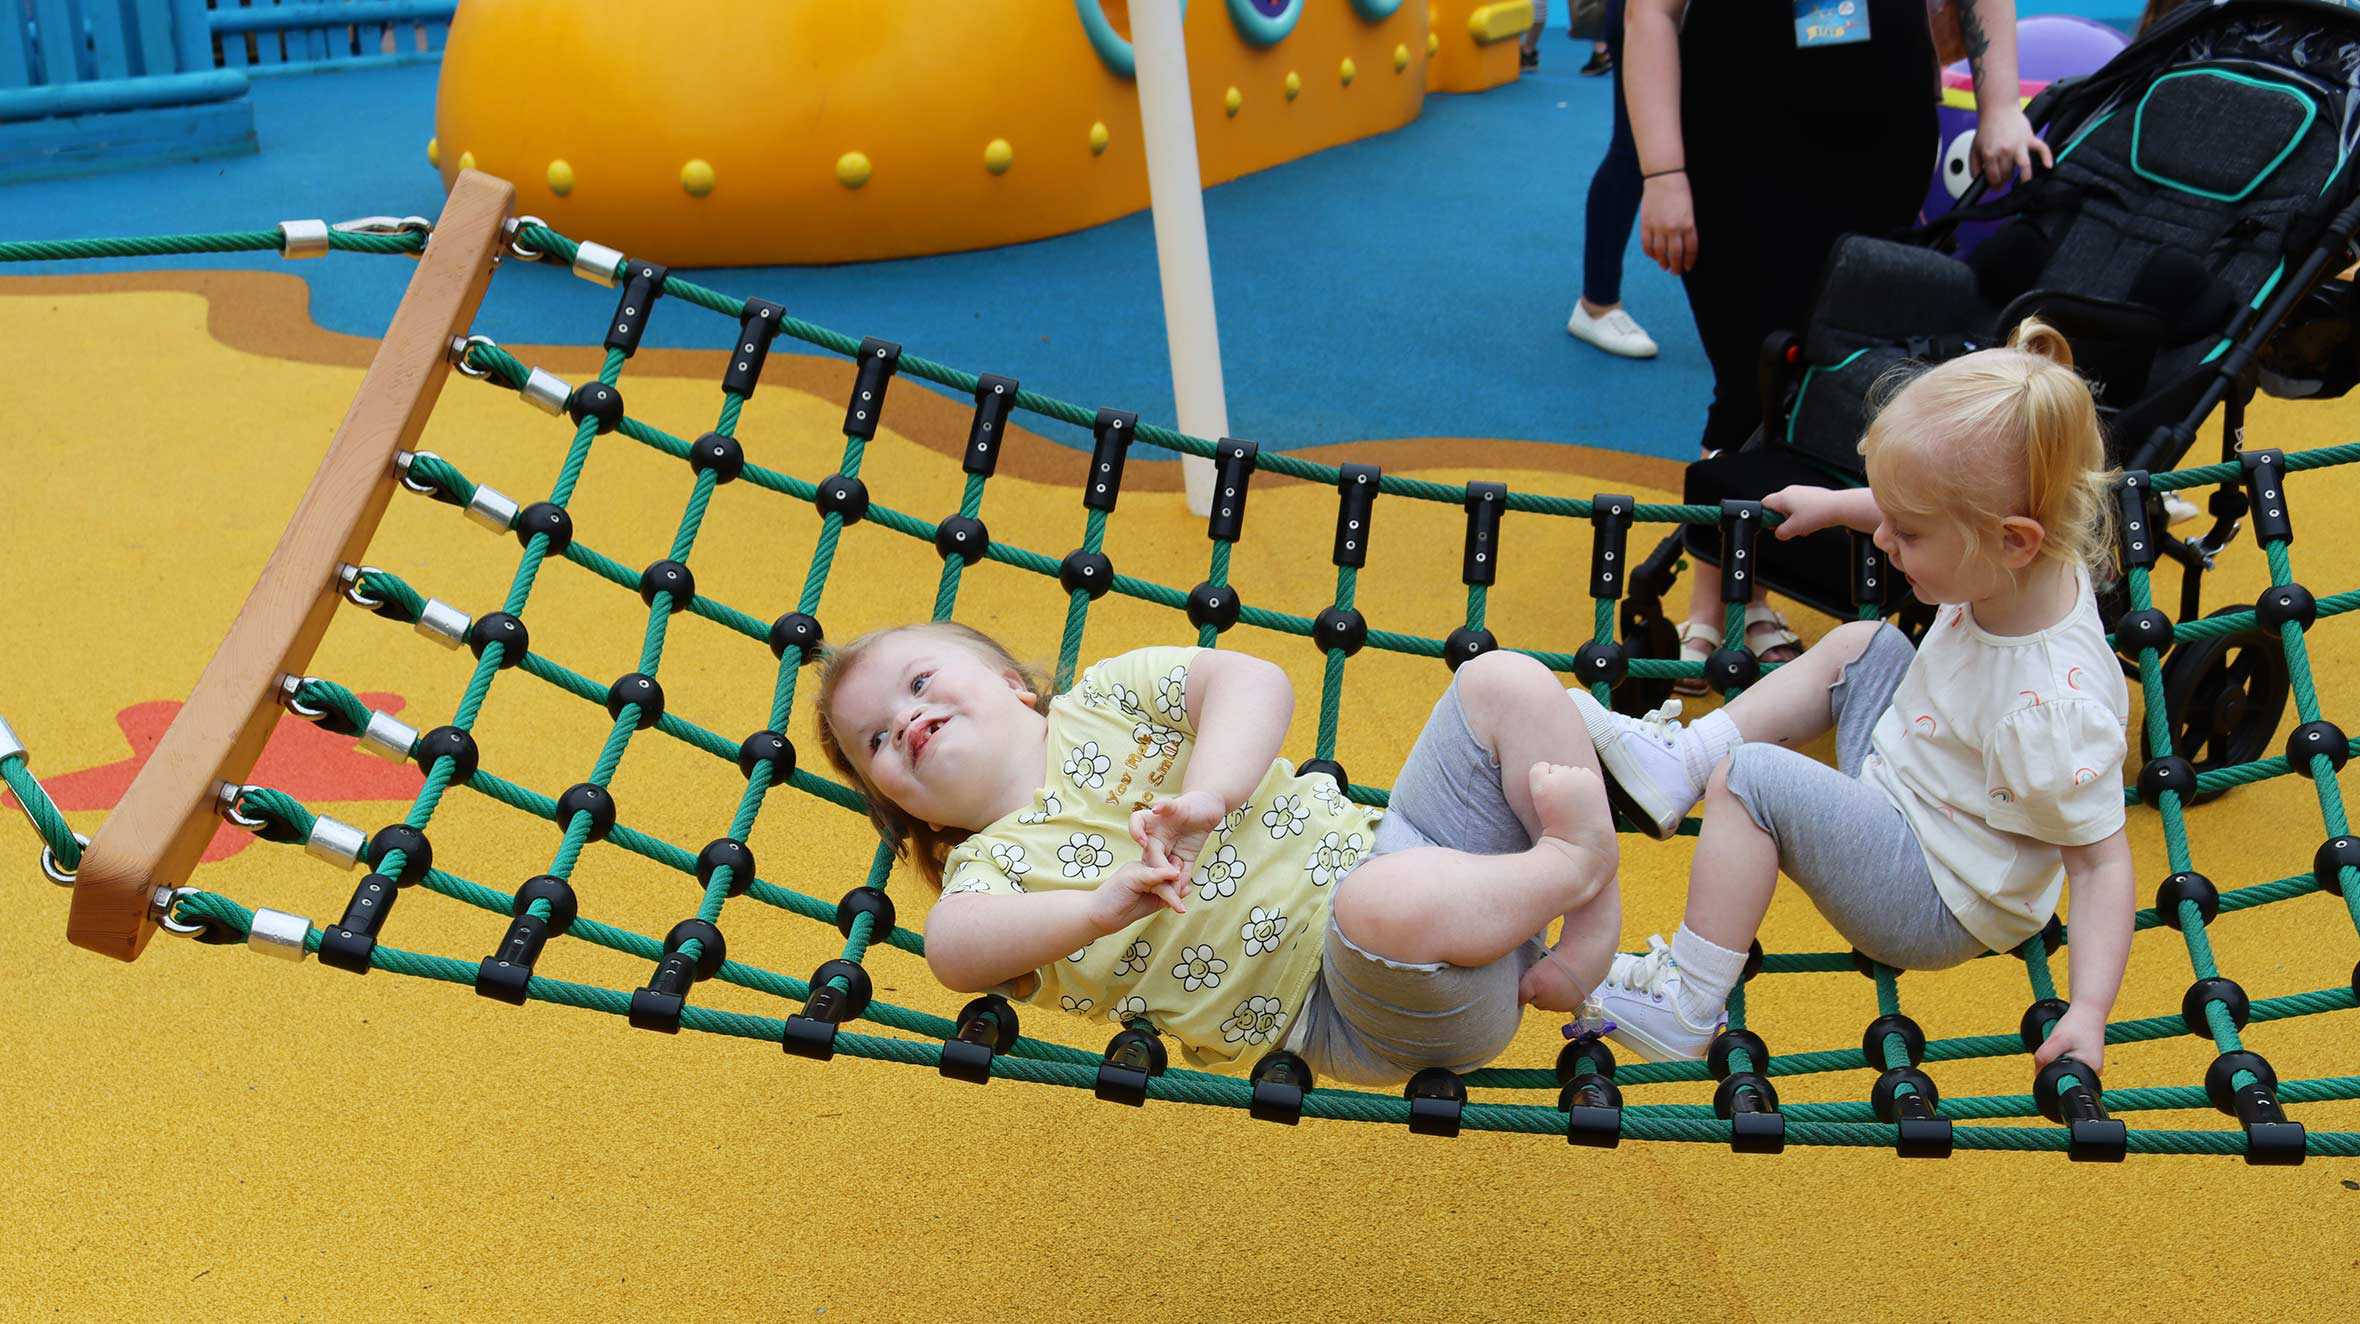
(1357, 486)
(813, 1033)
(1479, 561)
(1233, 470)
(1437, 1098)
(1746, 1099)
(877, 361)
(2265, 488)
(1922, 1133)
(349, 943)
(658, 1006)
(643, 284)
(2135, 526)
(1872, 577)
(1110, 443)
(995, 400)
(2069, 1093)
(508, 971)
(1133, 1057)
(1587, 1095)
(2271, 1139)
(1281, 1079)
(1741, 536)
(758, 325)
(1610, 543)
(987, 1028)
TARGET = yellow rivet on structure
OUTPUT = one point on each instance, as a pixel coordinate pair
(1433, 44)
(434, 151)
(467, 160)
(852, 169)
(1099, 137)
(1401, 57)
(697, 177)
(1232, 100)
(1348, 71)
(561, 177)
(1294, 84)
(998, 156)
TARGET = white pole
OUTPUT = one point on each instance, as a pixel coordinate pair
(1175, 194)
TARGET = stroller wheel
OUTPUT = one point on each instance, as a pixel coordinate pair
(1645, 634)
(2223, 699)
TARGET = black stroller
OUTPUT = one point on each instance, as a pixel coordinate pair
(2204, 197)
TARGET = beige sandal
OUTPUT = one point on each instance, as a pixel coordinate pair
(1698, 642)
(1769, 635)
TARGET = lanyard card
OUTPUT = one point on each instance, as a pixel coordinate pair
(1830, 22)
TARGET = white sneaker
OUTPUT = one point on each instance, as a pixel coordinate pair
(1641, 1000)
(1616, 332)
(1647, 775)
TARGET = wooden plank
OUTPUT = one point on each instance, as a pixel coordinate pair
(156, 833)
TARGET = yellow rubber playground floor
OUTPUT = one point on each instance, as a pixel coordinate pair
(210, 1135)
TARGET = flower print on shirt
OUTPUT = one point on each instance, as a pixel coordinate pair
(1334, 857)
(1077, 955)
(1171, 695)
(1218, 874)
(1262, 930)
(1086, 767)
(1050, 807)
(1286, 816)
(1074, 1004)
(1135, 958)
(1156, 738)
(1085, 855)
(971, 885)
(1126, 699)
(1256, 1020)
(1323, 789)
(1129, 1009)
(1199, 968)
(1010, 857)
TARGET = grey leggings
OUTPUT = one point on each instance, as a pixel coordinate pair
(1844, 841)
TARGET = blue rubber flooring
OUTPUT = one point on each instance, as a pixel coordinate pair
(1410, 285)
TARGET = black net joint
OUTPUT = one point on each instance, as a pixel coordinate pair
(1595, 663)
(877, 361)
(1747, 1101)
(987, 1027)
(2071, 1095)
(1356, 503)
(447, 742)
(549, 520)
(1922, 1132)
(767, 746)
(2141, 630)
(2334, 856)
(730, 853)
(2203, 993)
(1587, 1095)
(2270, 1138)
(812, 1034)
(1133, 1057)
(1086, 572)
(417, 852)
(1479, 560)
(1731, 669)
(1280, 1081)
(847, 498)
(507, 973)
(1328, 768)
(2034, 1028)
(2312, 739)
(658, 1006)
(504, 629)
(1110, 443)
(1465, 644)
(722, 454)
(2265, 487)
(2281, 603)
(2187, 885)
(1437, 1097)
(758, 325)
(587, 798)
(962, 536)
(1340, 628)
(796, 629)
(869, 901)
(668, 576)
(643, 284)
(1610, 543)
(1872, 1040)
(995, 400)
(1233, 469)
(636, 687)
(596, 400)
(1212, 604)
(2169, 772)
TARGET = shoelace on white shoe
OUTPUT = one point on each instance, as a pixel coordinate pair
(1662, 723)
(1647, 972)
(1621, 322)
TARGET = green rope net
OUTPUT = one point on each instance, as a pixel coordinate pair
(1581, 1094)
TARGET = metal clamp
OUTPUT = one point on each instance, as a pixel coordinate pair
(596, 263)
(353, 592)
(168, 897)
(418, 225)
(401, 469)
(225, 803)
(458, 355)
(514, 226)
(302, 239)
(291, 697)
(58, 873)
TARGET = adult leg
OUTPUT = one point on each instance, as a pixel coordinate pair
(1613, 204)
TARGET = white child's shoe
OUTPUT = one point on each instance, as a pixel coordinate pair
(1615, 331)
(1641, 1000)
(1647, 776)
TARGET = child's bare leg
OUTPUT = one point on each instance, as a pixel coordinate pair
(1734, 872)
(1437, 904)
(1584, 951)
(1516, 708)
(1789, 706)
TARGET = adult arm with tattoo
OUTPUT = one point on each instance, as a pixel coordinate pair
(2005, 144)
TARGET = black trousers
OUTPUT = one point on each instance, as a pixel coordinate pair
(1772, 194)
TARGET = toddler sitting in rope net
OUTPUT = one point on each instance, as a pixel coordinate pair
(1252, 907)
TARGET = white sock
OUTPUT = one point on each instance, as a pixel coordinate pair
(1707, 974)
(1711, 738)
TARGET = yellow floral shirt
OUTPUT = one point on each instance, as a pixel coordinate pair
(1226, 980)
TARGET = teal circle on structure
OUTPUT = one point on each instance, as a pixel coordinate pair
(1263, 29)
(1113, 50)
(1375, 11)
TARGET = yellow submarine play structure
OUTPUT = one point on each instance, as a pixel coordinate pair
(727, 133)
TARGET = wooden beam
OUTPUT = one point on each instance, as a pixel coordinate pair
(157, 832)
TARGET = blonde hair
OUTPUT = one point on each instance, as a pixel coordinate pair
(2000, 433)
(923, 846)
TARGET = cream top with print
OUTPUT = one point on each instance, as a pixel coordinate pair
(1227, 979)
(2000, 749)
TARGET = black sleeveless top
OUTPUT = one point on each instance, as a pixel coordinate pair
(1741, 72)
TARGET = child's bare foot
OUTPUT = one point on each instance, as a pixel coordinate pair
(1576, 822)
